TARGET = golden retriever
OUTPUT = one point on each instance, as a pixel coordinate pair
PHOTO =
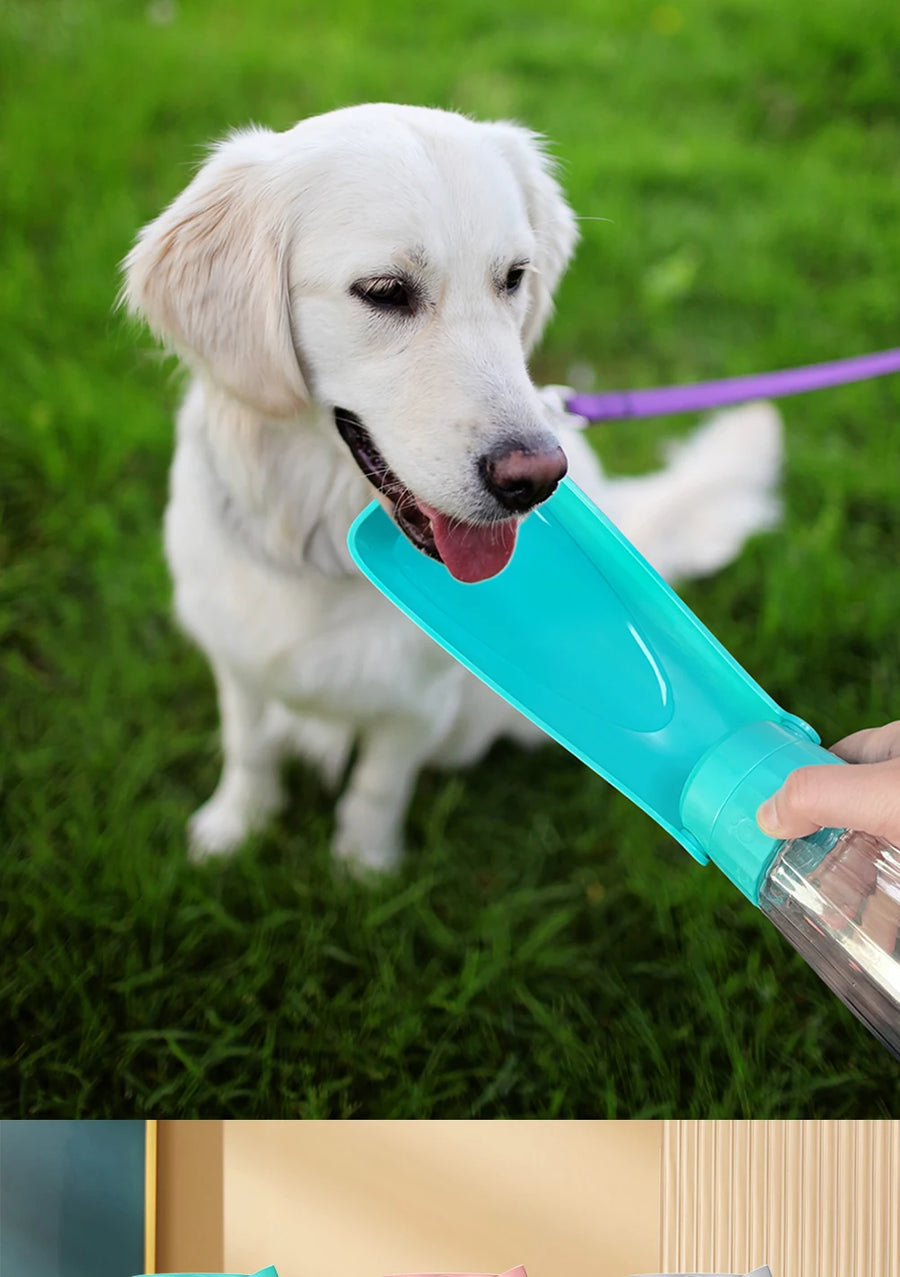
(356, 299)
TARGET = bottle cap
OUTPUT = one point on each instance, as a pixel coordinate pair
(726, 787)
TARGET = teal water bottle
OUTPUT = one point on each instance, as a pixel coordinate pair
(586, 639)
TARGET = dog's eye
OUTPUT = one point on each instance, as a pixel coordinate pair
(514, 278)
(388, 293)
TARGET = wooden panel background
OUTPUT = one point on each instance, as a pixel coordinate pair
(810, 1199)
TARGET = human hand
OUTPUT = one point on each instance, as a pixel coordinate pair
(864, 796)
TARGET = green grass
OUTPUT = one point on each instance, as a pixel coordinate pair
(545, 950)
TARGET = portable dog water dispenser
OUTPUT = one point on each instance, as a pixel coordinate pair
(588, 641)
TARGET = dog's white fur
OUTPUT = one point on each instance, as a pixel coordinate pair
(248, 276)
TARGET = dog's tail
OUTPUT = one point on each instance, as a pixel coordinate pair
(718, 488)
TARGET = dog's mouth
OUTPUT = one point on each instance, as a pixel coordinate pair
(469, 551)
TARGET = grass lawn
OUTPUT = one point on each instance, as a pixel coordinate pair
(546, 950)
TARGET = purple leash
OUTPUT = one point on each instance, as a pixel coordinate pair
(699, 396)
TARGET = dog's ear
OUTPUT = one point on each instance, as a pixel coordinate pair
(551, 218)
(210, 276)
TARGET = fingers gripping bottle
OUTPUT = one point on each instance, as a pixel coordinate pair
(586, 639)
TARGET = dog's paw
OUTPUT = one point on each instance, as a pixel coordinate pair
(215, 829)
(243, 804)
(365, 840)
(363, 858)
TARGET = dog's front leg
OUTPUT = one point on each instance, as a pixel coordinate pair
(369, 832)
(249, 791)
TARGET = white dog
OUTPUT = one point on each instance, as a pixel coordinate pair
(356, 299)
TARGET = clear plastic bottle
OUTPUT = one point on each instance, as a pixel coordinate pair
(835, 896)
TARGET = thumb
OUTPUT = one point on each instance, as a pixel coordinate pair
(871, 745)
(864, 796)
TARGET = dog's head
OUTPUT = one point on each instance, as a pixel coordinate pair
(394, 264)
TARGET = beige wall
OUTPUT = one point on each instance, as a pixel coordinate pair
(364, 1199)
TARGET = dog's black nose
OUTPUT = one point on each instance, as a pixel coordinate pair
(523, 477)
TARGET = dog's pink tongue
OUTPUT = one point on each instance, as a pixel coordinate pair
(473, 552)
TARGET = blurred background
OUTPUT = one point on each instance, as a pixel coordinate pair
(546, 950)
